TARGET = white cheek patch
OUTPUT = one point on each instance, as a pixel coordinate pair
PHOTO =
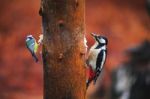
(102, 41)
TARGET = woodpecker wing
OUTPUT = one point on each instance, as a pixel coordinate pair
(99, 64)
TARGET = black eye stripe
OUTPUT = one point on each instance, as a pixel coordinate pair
(97, 40)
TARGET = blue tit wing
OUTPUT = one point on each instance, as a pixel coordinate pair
(30, 45)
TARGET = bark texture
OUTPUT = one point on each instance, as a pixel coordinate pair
(63, 49)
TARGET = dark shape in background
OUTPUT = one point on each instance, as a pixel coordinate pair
(140, 55)
(132, 79)
(148, 6)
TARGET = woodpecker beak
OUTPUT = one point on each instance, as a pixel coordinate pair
(94, 35)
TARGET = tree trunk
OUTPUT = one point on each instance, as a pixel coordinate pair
(63, 49)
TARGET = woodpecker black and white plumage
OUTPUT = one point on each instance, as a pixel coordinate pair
(96, 58)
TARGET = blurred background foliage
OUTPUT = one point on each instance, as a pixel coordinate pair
(126, 24)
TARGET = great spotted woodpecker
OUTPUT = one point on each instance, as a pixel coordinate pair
(96, 58)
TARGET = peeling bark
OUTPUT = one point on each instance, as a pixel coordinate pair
(63, 49)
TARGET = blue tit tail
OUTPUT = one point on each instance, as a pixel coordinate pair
(35, 57)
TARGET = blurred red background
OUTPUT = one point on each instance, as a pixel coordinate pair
(20, 76)
(124, 23)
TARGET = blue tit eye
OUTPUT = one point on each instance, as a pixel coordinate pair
(27, 39)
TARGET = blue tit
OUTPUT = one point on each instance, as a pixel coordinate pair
(32, 46)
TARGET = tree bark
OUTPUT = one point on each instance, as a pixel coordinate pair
(63, 49)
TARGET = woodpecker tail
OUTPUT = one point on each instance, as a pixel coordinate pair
(35, 58)
(96, 76)
(88, 83)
